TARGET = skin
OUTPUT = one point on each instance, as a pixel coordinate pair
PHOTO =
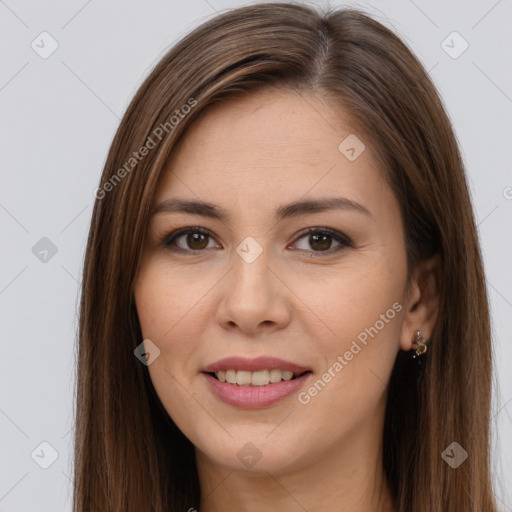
(249, 156)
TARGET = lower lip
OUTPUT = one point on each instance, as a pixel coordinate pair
(255, 397)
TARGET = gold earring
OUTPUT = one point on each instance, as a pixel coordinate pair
(420, 345)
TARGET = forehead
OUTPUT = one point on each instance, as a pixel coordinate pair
(271, 144)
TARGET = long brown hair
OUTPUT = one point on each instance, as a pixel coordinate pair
(129, 455)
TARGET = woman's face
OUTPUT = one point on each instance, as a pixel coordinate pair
(247, 281)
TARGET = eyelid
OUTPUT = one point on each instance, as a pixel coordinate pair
(337, 235)
(169, 240)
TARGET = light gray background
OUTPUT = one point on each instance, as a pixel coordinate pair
(58, 116)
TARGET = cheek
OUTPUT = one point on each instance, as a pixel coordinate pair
(170, 316)
(360, 314)
(350, 389)
(165, 300)
(349, 300)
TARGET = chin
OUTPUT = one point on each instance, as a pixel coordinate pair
(254, 449)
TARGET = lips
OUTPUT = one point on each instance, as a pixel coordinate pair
(232, 380)
(254, 365)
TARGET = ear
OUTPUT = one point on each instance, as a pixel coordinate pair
(422, 304)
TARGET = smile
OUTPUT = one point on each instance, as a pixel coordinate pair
(259, 378)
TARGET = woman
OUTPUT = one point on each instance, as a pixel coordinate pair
(283, 298)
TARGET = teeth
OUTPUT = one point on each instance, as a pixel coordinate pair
(243, 378)
(259, 378)
(287, 375)
(275, 375)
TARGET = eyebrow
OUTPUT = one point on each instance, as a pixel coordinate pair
(294, 209)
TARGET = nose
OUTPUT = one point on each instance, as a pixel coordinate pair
(254, 297)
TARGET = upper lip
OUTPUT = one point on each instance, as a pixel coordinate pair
(254, 364)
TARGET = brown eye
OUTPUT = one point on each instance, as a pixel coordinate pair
(321, 240)
(188, 240)
(196, 240)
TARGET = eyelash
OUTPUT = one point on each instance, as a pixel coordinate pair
(169, 241)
